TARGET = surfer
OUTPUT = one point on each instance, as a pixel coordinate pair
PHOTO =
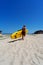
(23, 32)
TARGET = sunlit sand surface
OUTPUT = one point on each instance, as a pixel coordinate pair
(21, 52)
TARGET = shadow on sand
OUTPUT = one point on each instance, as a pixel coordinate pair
(15, 40)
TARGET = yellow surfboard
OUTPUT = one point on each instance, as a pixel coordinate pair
(17, 34)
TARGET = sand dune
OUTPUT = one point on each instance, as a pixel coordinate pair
(22, 52)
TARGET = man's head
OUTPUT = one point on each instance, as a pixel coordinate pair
(24, 26)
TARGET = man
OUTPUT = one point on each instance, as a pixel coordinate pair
(23, 32)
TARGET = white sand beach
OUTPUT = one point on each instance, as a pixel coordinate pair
(21, 52)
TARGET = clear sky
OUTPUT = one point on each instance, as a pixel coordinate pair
(15, 13)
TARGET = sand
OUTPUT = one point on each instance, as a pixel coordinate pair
(21, 52)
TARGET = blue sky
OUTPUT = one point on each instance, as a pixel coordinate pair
(15, 13)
